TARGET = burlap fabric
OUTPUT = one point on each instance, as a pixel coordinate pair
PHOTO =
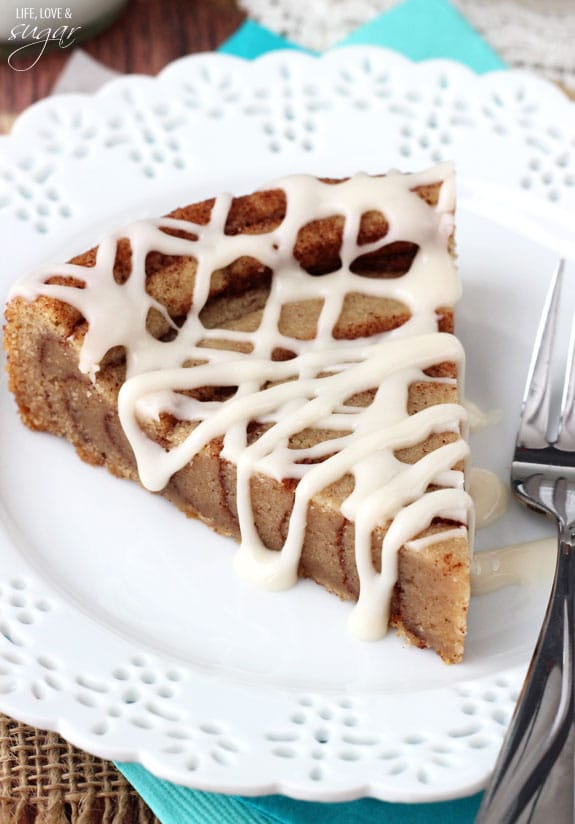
(44, 780)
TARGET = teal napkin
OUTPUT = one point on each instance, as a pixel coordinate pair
(424, 29)
(420, 29)
(252, 40)
(179, 805)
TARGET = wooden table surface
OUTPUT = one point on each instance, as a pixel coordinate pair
(148, 35)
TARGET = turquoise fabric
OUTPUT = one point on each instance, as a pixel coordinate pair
(179, 805)
(252, 40)
(420, 29)
(424, 29)
(281, 810)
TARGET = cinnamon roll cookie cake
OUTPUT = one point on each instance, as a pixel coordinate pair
(281, 365)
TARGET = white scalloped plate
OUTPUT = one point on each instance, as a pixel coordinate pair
(121, 623)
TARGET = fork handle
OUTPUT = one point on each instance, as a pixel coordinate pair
(533, 779)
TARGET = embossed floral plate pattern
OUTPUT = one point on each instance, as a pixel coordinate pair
(121, 622)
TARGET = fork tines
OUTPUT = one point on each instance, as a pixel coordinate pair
(535, 410)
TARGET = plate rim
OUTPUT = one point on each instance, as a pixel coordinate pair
(69, 729)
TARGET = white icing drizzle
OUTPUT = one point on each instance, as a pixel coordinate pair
(490, 496)
(429, 540)
(310, 390)
(478, 419)
(516, 564)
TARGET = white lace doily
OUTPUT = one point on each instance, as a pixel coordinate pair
(110, 630)
(530, 34)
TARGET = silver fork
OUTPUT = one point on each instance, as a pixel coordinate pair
(533, 779)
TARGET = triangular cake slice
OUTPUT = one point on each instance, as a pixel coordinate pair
(282, 366)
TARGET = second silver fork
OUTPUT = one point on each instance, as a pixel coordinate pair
(533, 779)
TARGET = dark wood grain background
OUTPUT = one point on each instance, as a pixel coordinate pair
(147, 35)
